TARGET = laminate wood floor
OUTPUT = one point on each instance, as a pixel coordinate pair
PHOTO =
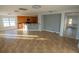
(13, 41)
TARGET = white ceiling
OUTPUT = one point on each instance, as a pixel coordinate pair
(73, 14)
(9, 9)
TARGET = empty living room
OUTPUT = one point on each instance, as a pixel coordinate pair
(39, 28)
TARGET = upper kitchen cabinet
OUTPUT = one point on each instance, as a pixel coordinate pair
(27, 19)
(21, 19)
(31, 19)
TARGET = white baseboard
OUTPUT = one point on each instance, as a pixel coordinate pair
(33, 30)
(43, 30)
(50, 31)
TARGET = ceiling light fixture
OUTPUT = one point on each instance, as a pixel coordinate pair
(36, 6)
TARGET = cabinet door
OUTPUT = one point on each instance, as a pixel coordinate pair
(21, 19)
(20, 25)
(34, 20)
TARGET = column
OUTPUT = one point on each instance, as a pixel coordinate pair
(40, 22)
(62, 23)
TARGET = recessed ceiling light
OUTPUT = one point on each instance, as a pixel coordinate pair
(36, 6)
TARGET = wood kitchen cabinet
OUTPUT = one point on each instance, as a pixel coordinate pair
(21, 19)
(26, 20)
(34, 20)
(20, 25)
(31, 19)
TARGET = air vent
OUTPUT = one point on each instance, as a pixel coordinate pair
(23, 9)
(16, 11)
(50, 11)
(36, 6)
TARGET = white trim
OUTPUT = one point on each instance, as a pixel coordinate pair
(33, 30)
(50, 31)
(44, 30)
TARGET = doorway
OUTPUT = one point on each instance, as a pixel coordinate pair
(71, 24)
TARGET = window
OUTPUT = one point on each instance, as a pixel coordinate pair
(9, 22)
(12, 22)
(70, 21)
(5, 22)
